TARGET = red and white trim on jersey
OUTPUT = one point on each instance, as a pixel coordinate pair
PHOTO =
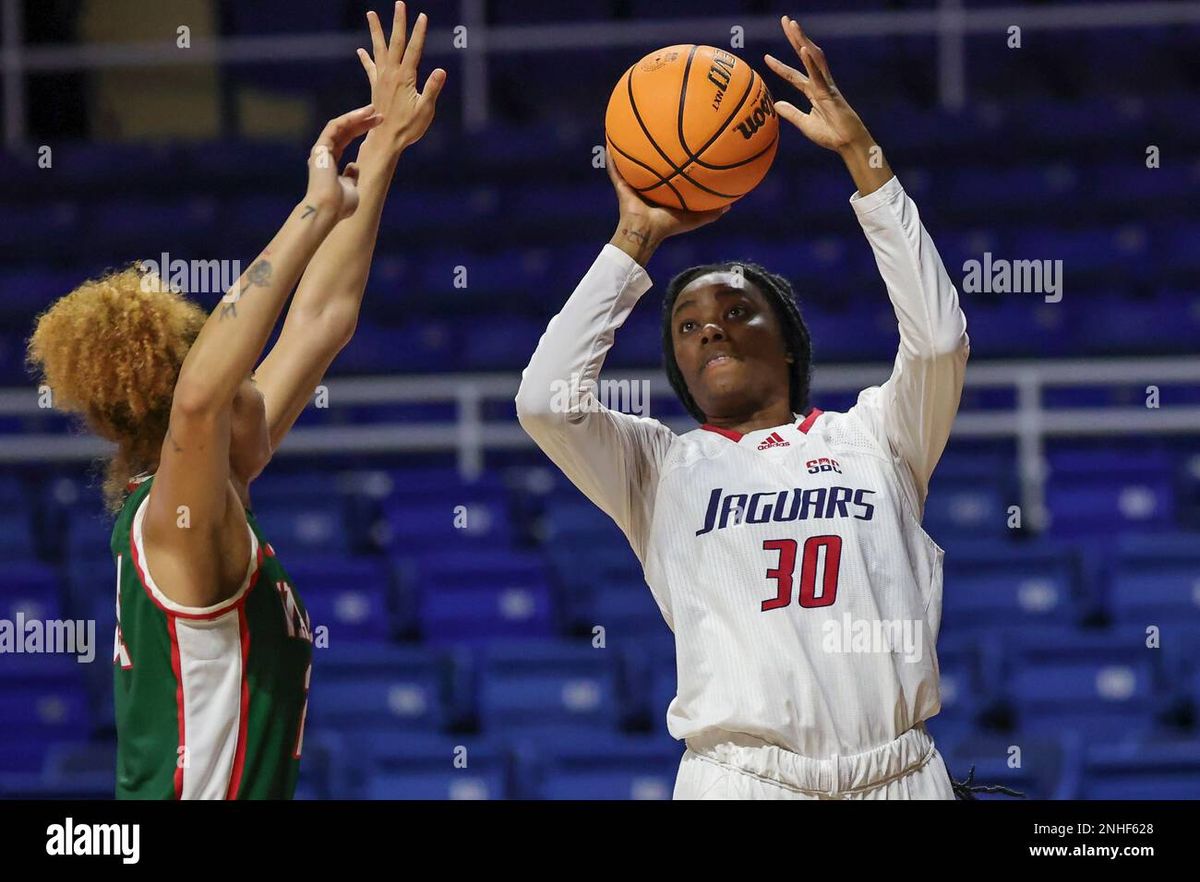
(210, 649)
(809, 420)
(732, 434)
(735, 436)
(181, 754)
(239, 757)
(210, 660)
(164, 603)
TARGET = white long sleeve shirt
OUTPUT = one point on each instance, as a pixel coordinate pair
(789, 562)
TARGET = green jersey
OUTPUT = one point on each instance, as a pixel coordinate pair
(210, 702)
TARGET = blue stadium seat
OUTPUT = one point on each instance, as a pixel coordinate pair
(1082, 505)
(988, 587)
(26, 292)
(967, 507)
(307, 526)
(429, 345)
(86, 767)
(383, 685)
(505, 345)
(88, 535)
(1106, 684)
(42, 701)
(1142, 770)
(627, 612)
(603, 766)
(255, 217)
(416, 766)
(548, 688)
(1019, 325)
(1125, 326)
(1155, 578)
(16, 535)
(135, 228)
(638, 343)
(447, 519)
(474, 595)
(31, 589)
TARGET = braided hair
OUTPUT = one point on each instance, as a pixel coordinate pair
(778, 292)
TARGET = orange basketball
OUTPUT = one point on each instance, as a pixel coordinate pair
(692, 127)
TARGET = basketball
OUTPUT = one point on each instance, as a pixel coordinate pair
(692, 127)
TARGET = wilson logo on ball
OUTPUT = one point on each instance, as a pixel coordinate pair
(752, 123)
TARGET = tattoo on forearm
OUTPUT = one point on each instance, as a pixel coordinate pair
(638, 236)
(259, 274)
(309, 211)
(174, 444)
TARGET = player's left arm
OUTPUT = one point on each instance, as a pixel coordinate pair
(913, 411)
(324, 312)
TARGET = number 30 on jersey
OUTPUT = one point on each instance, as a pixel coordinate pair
(821, 555)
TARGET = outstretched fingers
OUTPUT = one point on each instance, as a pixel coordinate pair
(811, 55)
(368, 65)
(433, 86)
(412, 55)
(378, 43)
(399, 33)
(789, 73)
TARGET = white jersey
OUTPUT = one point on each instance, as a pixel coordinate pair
(789, 562)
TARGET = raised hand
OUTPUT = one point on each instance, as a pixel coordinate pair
(831, 122)
(391, 68)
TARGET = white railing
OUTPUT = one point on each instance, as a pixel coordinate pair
(950, 21)
(469, 436)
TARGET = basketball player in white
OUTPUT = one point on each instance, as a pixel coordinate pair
(783, 545)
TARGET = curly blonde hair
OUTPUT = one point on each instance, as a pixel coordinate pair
(111, 351)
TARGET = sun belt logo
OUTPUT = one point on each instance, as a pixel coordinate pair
(774, 440)
(823, 464)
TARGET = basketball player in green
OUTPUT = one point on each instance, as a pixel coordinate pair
(213, 647)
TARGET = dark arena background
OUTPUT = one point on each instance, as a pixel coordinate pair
(482, 631)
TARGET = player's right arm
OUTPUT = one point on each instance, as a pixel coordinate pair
(189, 511)
(612, 457)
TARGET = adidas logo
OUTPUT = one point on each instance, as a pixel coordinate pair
(774, 440)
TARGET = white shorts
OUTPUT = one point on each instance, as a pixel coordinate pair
(729, 765)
